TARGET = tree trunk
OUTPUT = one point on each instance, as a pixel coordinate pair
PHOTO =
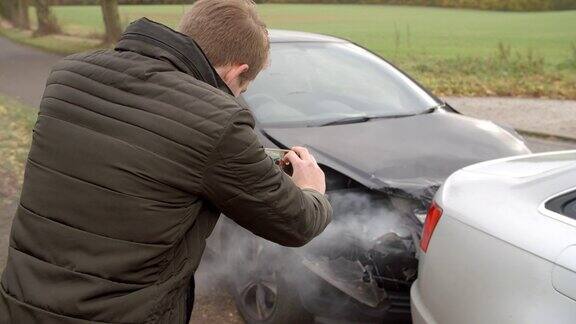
(23, 19)
(9, 10)
(47, 23)
(111, 20)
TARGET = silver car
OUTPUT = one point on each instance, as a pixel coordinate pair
(499, 244)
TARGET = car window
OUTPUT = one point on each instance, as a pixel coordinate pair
(564, 204)
(308, 83)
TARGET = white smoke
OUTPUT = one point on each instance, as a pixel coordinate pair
(360, 218)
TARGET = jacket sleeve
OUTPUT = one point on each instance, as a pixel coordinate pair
(244, 183)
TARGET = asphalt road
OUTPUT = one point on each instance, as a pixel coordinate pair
(23, 71)
(545, 145)
(539, 116)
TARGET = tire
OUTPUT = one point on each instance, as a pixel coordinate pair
(262, 295)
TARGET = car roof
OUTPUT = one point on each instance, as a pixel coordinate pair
(289, 36)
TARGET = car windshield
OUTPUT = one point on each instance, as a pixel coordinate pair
(312, 84)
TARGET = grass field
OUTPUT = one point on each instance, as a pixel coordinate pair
(455, 52)
(392, 31)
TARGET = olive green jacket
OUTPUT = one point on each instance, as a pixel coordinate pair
(135, 154)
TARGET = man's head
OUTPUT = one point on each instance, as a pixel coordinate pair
(232, 36)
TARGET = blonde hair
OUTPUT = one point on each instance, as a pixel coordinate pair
(229, 32)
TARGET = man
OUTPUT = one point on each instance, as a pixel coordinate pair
(136, 152)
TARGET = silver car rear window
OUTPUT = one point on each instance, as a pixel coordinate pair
(564, 204)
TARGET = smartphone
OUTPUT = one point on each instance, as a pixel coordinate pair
(277, 155)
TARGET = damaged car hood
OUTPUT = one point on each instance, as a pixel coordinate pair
(412, 154)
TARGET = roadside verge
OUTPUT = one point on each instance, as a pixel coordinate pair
(59, 44)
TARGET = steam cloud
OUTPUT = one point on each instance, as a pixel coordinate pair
(360, 218)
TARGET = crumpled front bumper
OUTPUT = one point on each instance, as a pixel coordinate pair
(350, 286)
(348, 277)
(328, 303)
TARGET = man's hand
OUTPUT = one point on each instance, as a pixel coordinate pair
(306, 172)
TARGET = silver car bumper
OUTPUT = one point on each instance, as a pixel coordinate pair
(420, 314)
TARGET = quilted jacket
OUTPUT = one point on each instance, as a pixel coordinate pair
(135, 154)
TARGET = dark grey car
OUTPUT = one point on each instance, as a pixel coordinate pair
(386, 144)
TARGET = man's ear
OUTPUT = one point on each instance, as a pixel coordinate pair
(232, 73)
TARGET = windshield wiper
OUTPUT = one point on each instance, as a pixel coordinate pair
(427, 111)
(435, 108)
(365, 118)
(347, 120)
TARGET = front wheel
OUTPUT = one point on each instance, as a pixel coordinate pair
(262, 294)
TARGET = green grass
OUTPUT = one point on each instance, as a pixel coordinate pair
(16, 123)
(60, 44)
(451, 51)
(393, 31)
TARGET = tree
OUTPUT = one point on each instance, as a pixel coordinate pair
(8, 10)
(23, 18)
(15, 11)
(111, 20)
(47, 23)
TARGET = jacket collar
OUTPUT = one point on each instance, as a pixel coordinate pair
(155, 40)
